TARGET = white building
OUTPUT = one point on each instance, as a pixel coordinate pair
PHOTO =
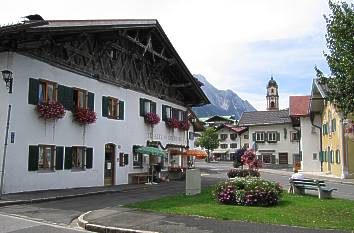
(272, 133)
(231, 139)
(310, 132)
(120, 69)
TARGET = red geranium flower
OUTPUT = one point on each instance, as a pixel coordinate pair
(152, 118)
(85, 116)
(172, 123)
(50, 110)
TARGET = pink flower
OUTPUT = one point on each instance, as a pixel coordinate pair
(50, 110)
(152, 118)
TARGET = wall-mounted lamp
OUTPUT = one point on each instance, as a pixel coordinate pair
(7, 76)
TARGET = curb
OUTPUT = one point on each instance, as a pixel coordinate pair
(313, 176)
(46, 199)
(105, 229)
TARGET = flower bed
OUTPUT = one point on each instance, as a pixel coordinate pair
(249, 191)
(85, 116)
(51, 110)
(232, 173)
(172, 123)
(152, 118)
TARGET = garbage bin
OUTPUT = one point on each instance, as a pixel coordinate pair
(193, 181)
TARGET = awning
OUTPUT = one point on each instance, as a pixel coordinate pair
(199, 154)
(151, 151)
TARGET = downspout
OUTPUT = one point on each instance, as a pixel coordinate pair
(344, 142)
(312, 118)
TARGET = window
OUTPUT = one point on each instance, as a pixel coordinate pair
(245, 136)
(180, 115)
(223, 136)
(123, 159)
(46, 157)
(266, 158)
(337, 156)
(223, 146)
(294, 136)
(166, 112)
(80, 98)
(147, 106)
(137, 160)
(272, 136)
(246, 145)
(233, 145)
(113, 107)
(78, 157)
(47, 91)
(233, 136)
(259, 137)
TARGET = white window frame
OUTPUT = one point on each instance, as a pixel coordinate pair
(83, 159)
(260, 136)
(292, 133)
(272, 136)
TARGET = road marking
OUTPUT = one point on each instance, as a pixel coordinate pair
(25, 218)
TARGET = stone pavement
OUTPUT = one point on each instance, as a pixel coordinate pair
(119, 219)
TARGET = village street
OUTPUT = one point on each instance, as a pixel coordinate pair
(64, 212)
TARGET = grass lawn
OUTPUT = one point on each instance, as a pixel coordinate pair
(307, 211)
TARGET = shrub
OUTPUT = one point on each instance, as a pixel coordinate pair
(232, 173)
(248, 191)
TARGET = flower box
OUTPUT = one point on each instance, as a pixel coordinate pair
(151, 118)
(184, 125)
(85, 116)
(50, 110)
(172, 123)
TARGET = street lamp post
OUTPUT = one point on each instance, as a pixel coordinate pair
(7, 77)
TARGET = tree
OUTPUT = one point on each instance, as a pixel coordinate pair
(209, 140)
(237, 157)
(340, 58)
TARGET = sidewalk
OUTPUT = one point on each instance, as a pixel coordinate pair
(119, 219)
(58, 194)
(313, 175)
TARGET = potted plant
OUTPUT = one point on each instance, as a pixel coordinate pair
(152, 118)
(50, 110)
(172, 123)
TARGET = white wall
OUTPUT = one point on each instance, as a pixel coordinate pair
(30, 130)
(282, 146)
(310, 144)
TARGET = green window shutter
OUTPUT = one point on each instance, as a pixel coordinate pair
(321, 156)
(121, 110)
(278, 136)
(153, 107)
(254, 137)
(91, 101)
(142, 107)
(105, 106)
(273, 159)
(326, 156)
(126, 157)
(33, 91)
(89, 157)
(164, 116)
(65, 96)
(334, 126)
(68, 158)
(59, 157)
(265, 136)
(33, 154)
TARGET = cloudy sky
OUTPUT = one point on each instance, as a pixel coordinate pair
(235, 44)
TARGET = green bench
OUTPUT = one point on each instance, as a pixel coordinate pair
(299, 186)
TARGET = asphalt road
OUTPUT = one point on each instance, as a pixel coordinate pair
(15, 224)
(63, 212)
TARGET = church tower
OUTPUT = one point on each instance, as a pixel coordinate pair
(272, 95)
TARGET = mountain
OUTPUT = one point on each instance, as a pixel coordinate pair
(223, 102)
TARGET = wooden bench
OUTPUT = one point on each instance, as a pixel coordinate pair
(141, 177)
(299, 186)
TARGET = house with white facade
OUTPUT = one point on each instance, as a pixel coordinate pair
(80, 96)
(231, 138)
(272, 133)
(310, 132)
